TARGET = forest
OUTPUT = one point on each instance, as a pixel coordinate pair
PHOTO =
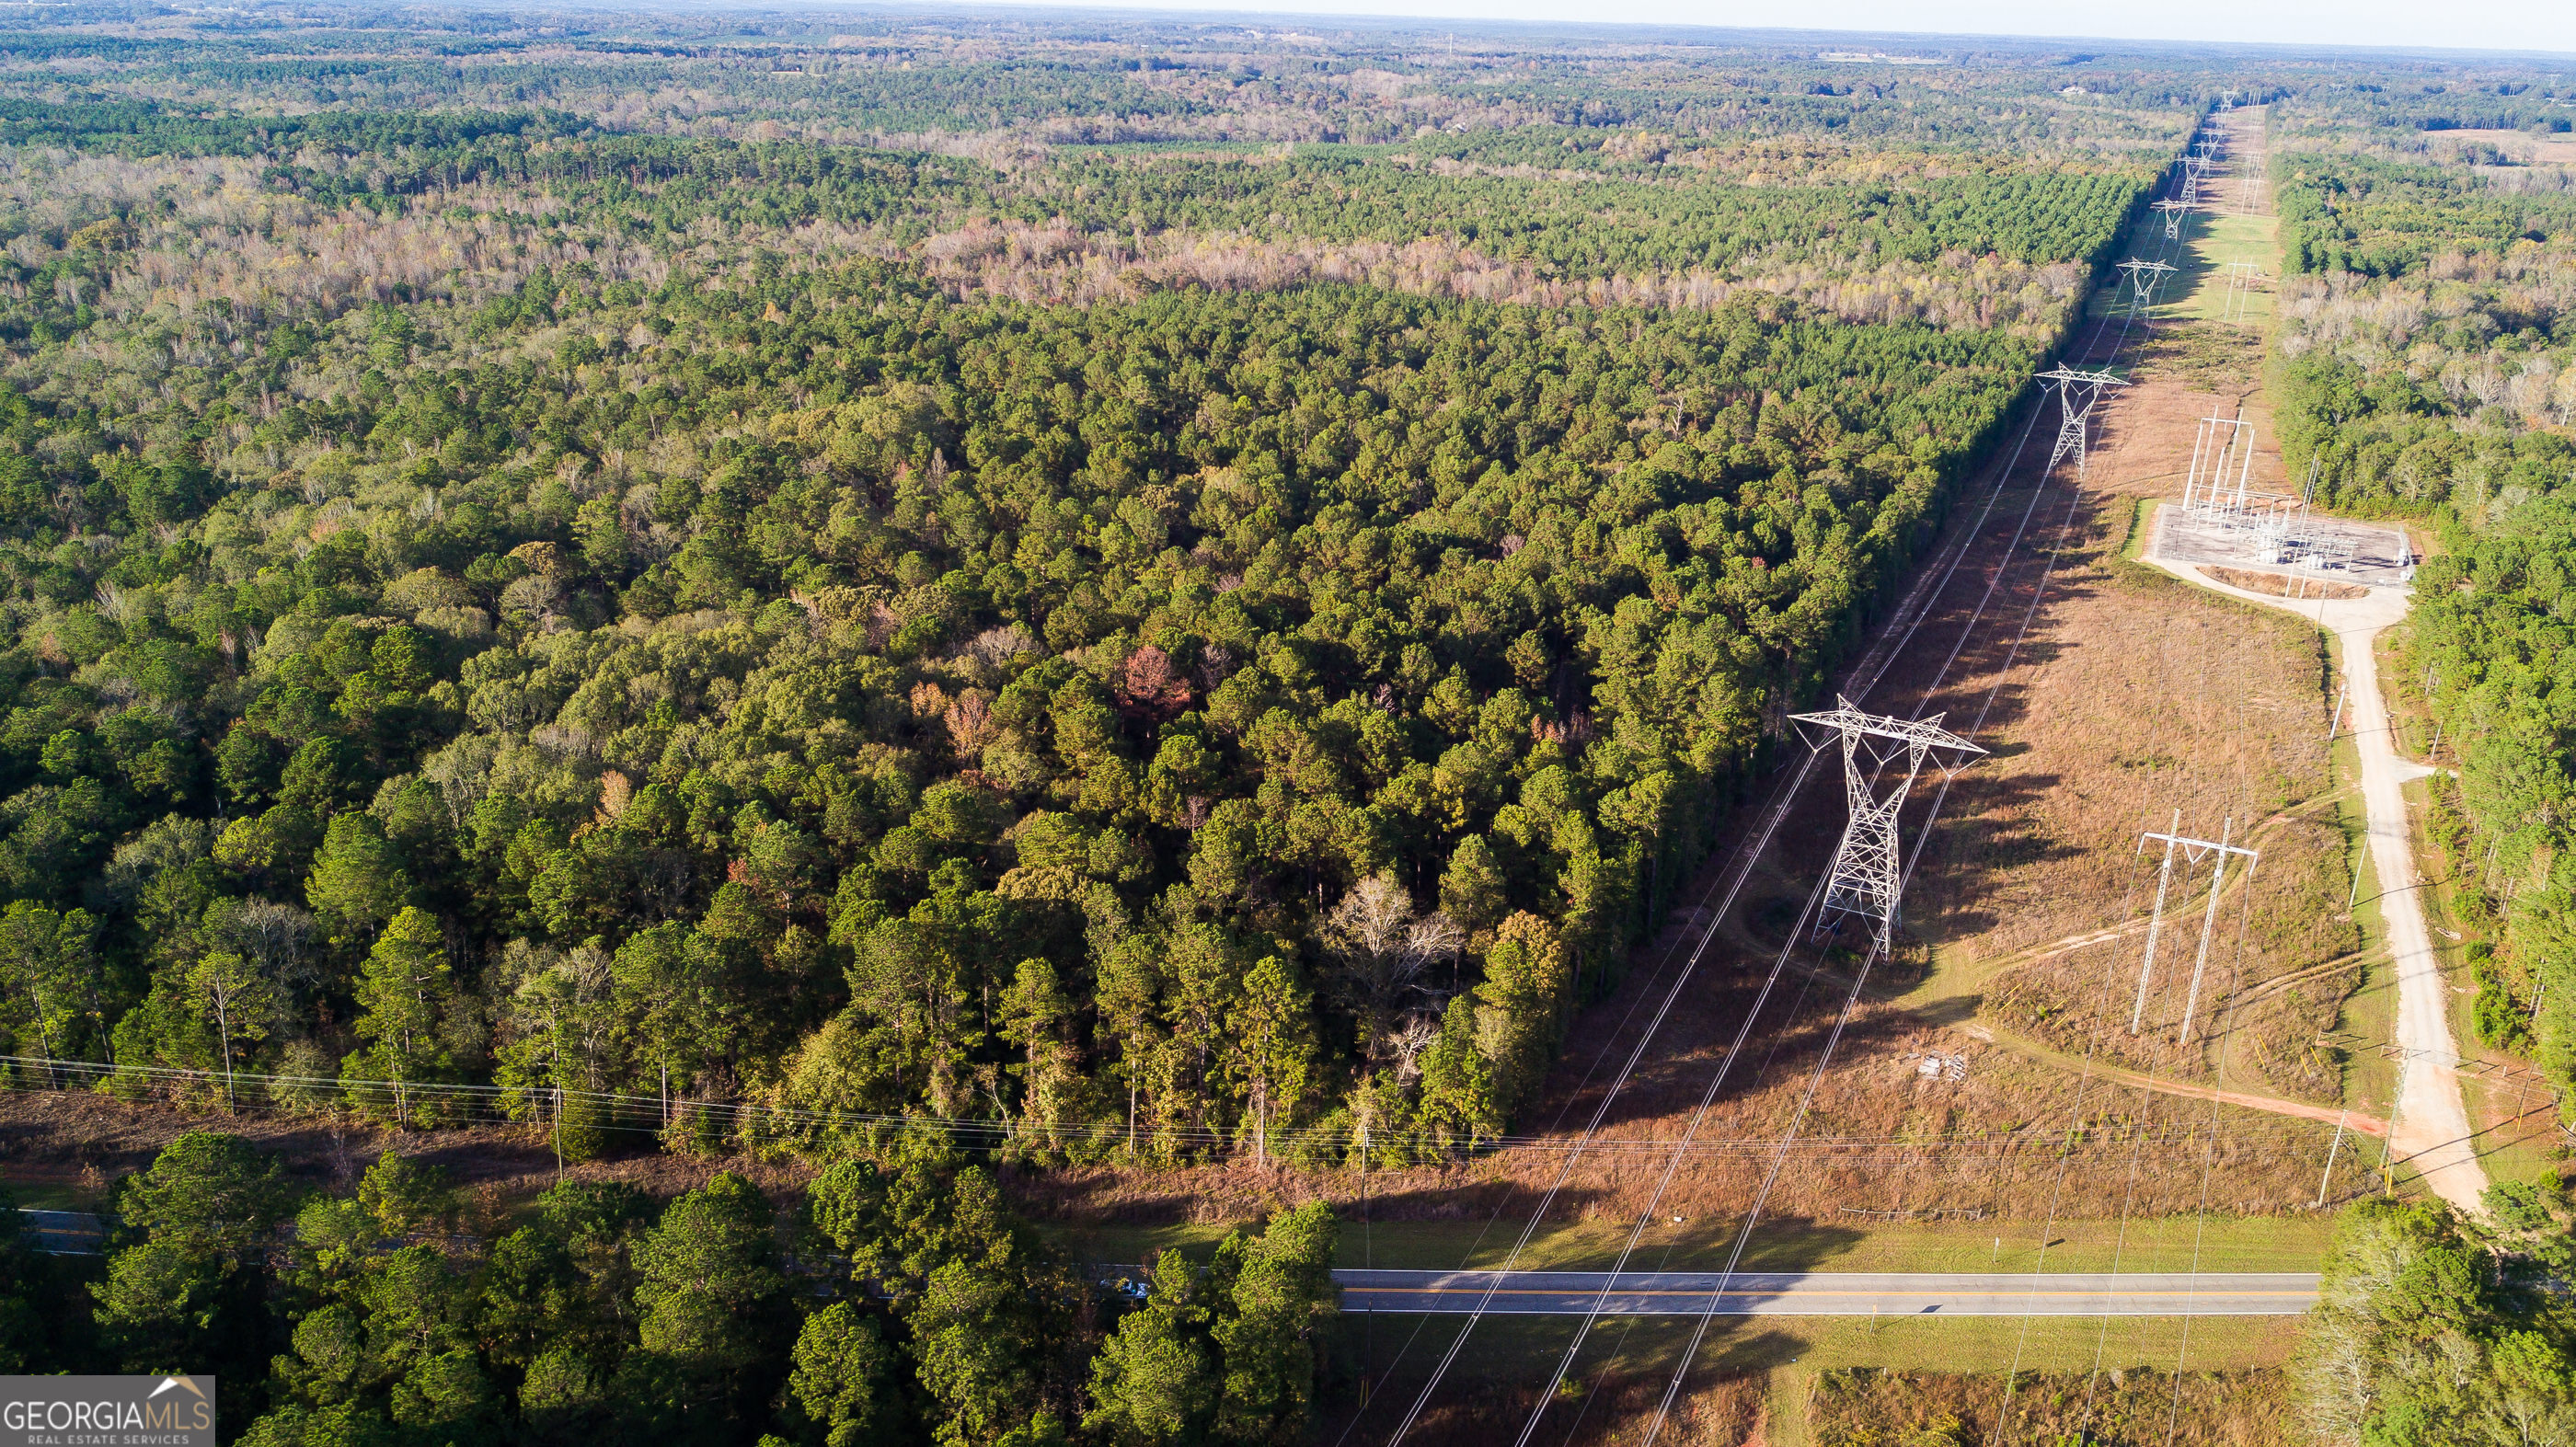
(1253, 654)
(509, 608)
(837, 610)
(2427, 369)
(2435, 1327)
(393, 1314)
(1129, 608)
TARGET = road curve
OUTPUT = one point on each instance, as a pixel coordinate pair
(2431, 1127)
(1835, 1293)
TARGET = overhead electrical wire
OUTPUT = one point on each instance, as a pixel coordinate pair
(1865, 678)
(1752, 1217)
(1910, 611)
(540, 1106)
(1747, 857)
(1753, 1012)
(2208, 1167)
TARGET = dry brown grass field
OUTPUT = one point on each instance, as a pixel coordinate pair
(2117, 1406)
(1616, 1409)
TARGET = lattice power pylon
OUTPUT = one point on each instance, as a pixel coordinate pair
(1869, 870)
(2193, 851)
(2194, 170)
(2144, 278)
(2173, 210)
(2077, 391)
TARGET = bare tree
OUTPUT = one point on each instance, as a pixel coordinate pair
(277, 940)
(1418, 1033)
(1382, 948)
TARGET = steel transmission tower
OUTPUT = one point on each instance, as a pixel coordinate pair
(2173, 211)
(1869, 872)
(2077, 391)
(2144, 278)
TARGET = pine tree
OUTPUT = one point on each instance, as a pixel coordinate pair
(1274, 1049)
(405, 991)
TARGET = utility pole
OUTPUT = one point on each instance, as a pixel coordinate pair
(2155, 922)
(2209, 922)
(2337, 724)
(2220, 445)
(2396, 1107)
(2193, 851)
(2330, 1158)
(1868, 871)
(2239, 302)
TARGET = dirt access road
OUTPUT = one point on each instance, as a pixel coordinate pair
(2431, 1128)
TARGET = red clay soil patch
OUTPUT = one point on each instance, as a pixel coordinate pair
(2281, 586)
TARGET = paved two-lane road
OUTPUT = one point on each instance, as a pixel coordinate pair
(1838, 1293)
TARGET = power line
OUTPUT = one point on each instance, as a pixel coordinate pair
(2092, 1044)
(491, 1104)
(1752, 1217)
(2002, 478)
(1748, 857)
(1911, 610)
(2208, 1166)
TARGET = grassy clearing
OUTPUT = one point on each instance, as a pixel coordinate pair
(2200, 292)
(2370, 1011)
(2410, 719)
(2205, 357)
(2042, 844)
(2159, 1243)
(50, 1193)
(2191, 700)
(1794, 1380)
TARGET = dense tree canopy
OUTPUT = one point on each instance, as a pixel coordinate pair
(815, 592)
(894, 1300)
(699, 646)
(2435, 1329)
(2430, 371)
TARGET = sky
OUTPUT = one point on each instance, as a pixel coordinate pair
(2489, 25)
